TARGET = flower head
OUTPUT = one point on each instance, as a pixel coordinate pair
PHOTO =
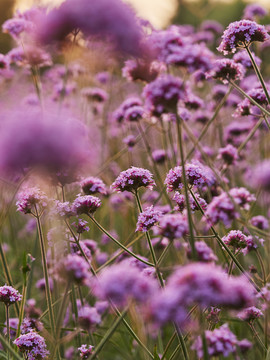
(226, 70)
(88, 317)
(147, 219)
(73, 268)
(133, 178)
(30, 198)
(93, 185)
(241, 33)
(162, 95)
(33, 345)
(173, 226)
(235, 239)
(85, 351)
(86, 204)
(9, 295)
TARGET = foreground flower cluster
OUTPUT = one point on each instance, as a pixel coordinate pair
(135, 181)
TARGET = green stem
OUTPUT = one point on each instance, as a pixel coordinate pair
(257, 337)
(182, 341)
(8, 330)
(21, 310)
(164, 252)
(182, 156)
(45, 271)
(258, 73)
(108, 335)
(118, 243)
(150, 242)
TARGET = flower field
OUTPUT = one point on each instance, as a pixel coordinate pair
(134, 186)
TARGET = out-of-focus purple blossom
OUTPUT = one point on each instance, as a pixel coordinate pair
(236, 131)
(212, 25)
(242, 197)
(43, 141)
(159, 156)
(33, 345)
(244, 107)
(103, 77)
(228, 154)
(120, 113)
(220, 342)
(197, 175)
(243, 58)
(94, 94)
(133, 178)
(30, 199)
(62, 209)
(88, 317)
(203, 251)
(261, 175)
(173, 226)
(147, 219)
(86, 204)
(140, 69)
(130, 141)
(40, 284)
(252, 244)
(13, 325)
(91, 245)
(203, 284)
(102, 306)
(202, 116)
(93, 185)
(81, 226)
(226, 70)
(76, 250)
(162, 95)
(112, 285)
(112, 20)
(181, 202)
(236, 239)
(192, 57)
(193, 102)
(253, 11)
(70, 353)
(134, 113)
(250, 314)
(221, 209)
(73, 268)
(260, 222)
(241, 33)
(85, 351)
(16, 26)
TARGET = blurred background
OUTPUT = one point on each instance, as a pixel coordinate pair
(159, 12)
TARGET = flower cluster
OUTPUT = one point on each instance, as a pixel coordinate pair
(31, 199)
(132, 179)
(9, 295)
(32, 345)
(147, 219)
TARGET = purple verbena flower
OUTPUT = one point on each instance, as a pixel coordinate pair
(94, 94)
(88, 317)
(240, 34)
(162, 95)
(181, 202)
(112, 285)
(86, 204)
(147, 219)
(31, 199)
(236, 239)
(133, 178)
(226, 70)
(252, 11)
(93, 185)
(159, 156)
(250, 314)
(260, 222)
(85, 351)
(173, 226)
(243, 58)
(33, 345)
(203, 251)
(73, 268)
(228, 154)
